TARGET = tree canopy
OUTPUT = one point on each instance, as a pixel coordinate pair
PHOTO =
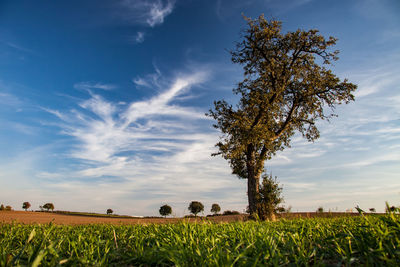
(215, 208)
(48, 206)
(165, 210)
(195, 207)
(287, 87)
(26, 205)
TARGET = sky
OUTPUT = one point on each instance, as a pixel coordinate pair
(102, 105)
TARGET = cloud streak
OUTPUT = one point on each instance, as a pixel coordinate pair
(148, 12)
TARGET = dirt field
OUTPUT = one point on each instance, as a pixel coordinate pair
(28, 217)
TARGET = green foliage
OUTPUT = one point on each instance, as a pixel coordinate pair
(269, 197)
(215, 208)
(109, 211)
(320, 209)
(48, 206)
(165, 210)
(348, 241)
(195, 207)
(26, 205)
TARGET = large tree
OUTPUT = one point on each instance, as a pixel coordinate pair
(287, 87)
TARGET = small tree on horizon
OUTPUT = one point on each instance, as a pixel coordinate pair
(109, 211)
(165, 210)
(8, 208)
(26, 205)
(2, 207)
(215, 208)
(195, 207)
(48, 206)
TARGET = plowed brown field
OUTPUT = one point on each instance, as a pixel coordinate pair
(28, 217)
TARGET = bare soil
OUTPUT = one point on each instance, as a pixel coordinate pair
(29, 217)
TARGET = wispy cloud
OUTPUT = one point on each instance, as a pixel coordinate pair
(139, 37)
(150, 12)
(105, 131)
(19, 47)
(94, 85)
(152, 148)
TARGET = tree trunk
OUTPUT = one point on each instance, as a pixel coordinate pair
(253, 178)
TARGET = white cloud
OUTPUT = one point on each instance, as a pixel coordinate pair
(94, 85)
(147, 12)
(139, 37)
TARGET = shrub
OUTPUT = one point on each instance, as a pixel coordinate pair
(320, 209)
(26, 205)
(109, 211)
(269, 197)
(2, 207)
(195, 207)
(372, 210)
(231, 212)
(8, 208)
(165, 210)
(215, 208)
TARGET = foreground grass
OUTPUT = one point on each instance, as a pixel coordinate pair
(370, 240)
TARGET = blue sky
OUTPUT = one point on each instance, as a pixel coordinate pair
(102, 105)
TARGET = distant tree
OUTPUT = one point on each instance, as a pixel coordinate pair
(320, 209)
(372, 210)
(2, 207)
(26, 205)
(109, 211)
(288, 86)
(195, 207)
(48, 206)
(215, 208)
(8, 208)
(165, 210)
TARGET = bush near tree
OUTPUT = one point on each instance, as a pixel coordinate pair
(109, 211)
(48, 206)
(215, 208)
(269, 197)
(195, 207)
(165, 210)
(26, 205)
(8, 208)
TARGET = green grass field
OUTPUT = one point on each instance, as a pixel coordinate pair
(372, 240)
